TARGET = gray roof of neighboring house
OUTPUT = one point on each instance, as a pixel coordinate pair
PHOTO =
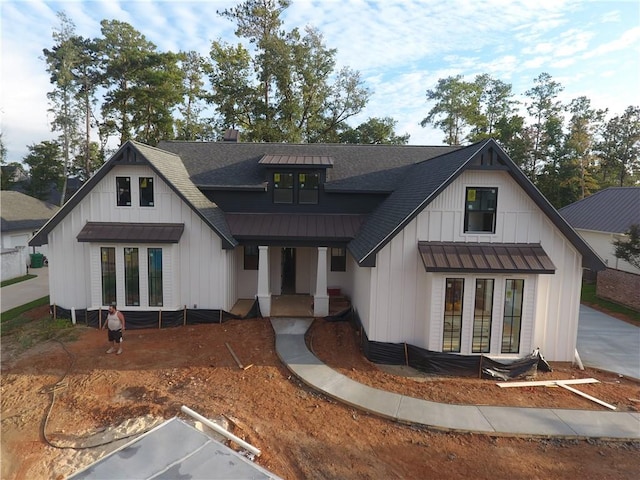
(22, 212)
(612, 210)
(171, 169)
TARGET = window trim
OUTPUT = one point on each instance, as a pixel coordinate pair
(132, 277)
(155, 281)
(511, 338)
(289, 189)
(483, 317)
(108, 293)
(448, 341)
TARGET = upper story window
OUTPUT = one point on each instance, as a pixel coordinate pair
(283, 188)
(308, 184)
(480, 210)
(146, 191)
(123, 191)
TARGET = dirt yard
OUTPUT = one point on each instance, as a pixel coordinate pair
(302, 434)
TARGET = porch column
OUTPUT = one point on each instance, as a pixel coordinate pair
(321, 299)
(264, 294)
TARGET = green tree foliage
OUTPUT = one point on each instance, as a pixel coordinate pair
(545, 110)
(375, 131)
(288, 91)
(496, 106)
(628, 249)
(619, 149)
(191, 125)
(456, 109)
(143, 85)
(46, 166)
(61, 61)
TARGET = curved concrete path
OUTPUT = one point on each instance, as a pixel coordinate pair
(292, 350)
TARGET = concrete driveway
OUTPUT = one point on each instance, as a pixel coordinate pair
(608, 343)
(18, 294)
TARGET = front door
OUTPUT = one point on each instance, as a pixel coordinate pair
(288, 286)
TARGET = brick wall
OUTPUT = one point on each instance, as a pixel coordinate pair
(620, 287)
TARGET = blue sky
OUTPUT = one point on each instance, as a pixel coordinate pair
(400, 47)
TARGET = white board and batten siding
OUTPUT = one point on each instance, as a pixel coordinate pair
(195, 271)
(406, 304)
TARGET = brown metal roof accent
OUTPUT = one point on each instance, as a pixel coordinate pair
(304, 226)
(298, 160)
(485, 257)
(114, 232)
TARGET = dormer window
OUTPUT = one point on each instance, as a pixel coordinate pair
(283, 188)
(480, 210)
(308, 184)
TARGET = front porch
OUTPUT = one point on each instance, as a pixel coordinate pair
(292, 305)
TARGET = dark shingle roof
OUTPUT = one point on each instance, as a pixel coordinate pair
(612, 210)
(22, 212)
(355, 167)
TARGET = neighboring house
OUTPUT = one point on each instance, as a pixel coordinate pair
(601, 219)
(22, 216)
(446, 248)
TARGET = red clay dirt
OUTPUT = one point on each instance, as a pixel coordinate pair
(302, 433)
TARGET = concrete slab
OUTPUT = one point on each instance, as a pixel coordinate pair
(19, 294)
(291, 326)
(448, 417)
(364, 397)
(526, 421)
(608, 343)
(293, 349)
(587, 423)
(318, 376)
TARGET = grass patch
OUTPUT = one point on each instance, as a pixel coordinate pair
(17, 280)
(17, 312)
(589, 297)
(26, 328)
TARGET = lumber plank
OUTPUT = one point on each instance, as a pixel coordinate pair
(548, 383)
(585, 395)
(235, 357)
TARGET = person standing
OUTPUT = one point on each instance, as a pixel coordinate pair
(115, 324)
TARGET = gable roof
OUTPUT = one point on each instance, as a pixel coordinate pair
(612, 210)
(170, 169)
(424, 181)
(22, 212)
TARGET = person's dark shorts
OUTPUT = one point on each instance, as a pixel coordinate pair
(115, 336)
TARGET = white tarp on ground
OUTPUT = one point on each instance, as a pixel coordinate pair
(173, 450)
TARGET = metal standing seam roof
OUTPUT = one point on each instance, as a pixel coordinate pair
(297, 160)
(612, 210)
(115, 232)
(485, 257)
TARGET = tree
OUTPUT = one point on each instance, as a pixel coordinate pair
(619, 149)
(46, 168)
(191, 125)
(375, 131)
(456, 109)
(143, 85)
(494, 104)
(628, 249)
(545, 111)
(288, 90)
(61, 61)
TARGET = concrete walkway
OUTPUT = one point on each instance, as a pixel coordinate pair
(608, 343)
(19, 294)
(293, 351)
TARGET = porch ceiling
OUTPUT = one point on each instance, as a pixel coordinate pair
(485, 257)
(116, 232)
(266, 226)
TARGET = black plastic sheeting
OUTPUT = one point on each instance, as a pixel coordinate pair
(136, 320)
(442, 363)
